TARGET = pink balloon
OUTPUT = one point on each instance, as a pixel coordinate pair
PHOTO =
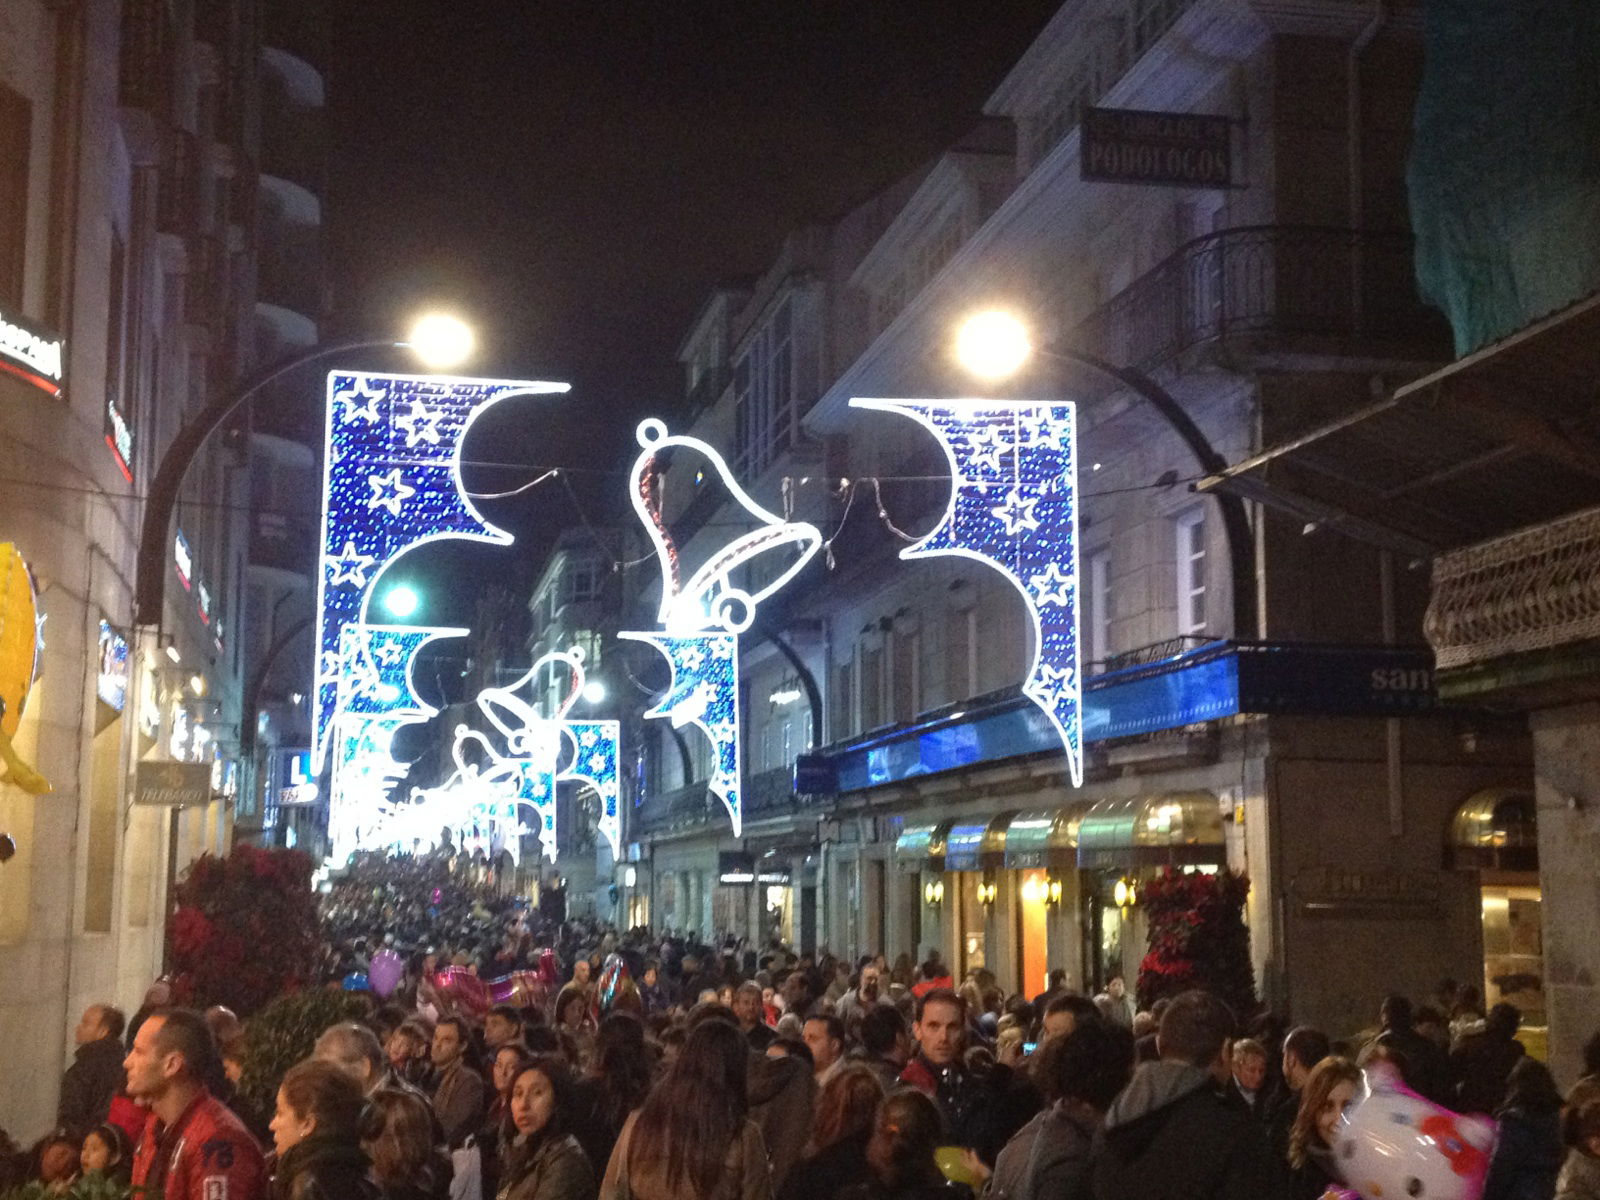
(463, 990)
(386, 972)
(1393, 1143)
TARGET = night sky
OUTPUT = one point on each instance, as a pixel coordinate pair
(575, 177)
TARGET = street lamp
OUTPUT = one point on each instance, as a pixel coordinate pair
(437, 340)
(594, 692)
(994, 346)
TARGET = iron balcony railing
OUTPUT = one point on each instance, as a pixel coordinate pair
(1270, 287)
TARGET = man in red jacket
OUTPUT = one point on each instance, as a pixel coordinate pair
(193, 1147)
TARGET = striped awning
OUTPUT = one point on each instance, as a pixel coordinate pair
(1172, 828)
(1045, 837)
(1496, 829)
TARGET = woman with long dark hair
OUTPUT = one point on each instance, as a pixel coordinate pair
(617, 1084)
(540, 1159)
(1528, 1152)
(906, 1131)
(1329, 1090)
(693, 1139)
(397, 1134)
(836, 1156)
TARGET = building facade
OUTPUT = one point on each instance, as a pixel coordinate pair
(1257, 698)
(128, 187)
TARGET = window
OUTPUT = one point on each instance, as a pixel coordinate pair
(842, 701)
(119, 431)
(16, 129)
(763, 394)
(1097, 607)
(1190, 530)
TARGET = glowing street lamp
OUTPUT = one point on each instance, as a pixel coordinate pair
(993, 345)
(441, 341)
(594, 692)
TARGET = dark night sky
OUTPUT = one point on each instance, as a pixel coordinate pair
(574, 177)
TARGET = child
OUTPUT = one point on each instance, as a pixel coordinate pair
(106, 1150)
(1580, 1129)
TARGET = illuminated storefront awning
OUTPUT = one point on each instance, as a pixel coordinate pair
(964, 847)
(1496, 830)
(922, 847)
(1174, 828)
(1046, 838)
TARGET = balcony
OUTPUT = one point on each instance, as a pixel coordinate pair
(1271, 288)
(1519, 613)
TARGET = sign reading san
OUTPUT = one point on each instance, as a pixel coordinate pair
(1130, 145)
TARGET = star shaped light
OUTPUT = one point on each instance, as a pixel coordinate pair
(390, 654)
(419, 424)
(1052, 586)
(351, 566)
(988, 444)
(361, 402)
(588, 738)
(389, 491)
(1017, 513)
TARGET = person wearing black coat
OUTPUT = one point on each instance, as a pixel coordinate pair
(1483, 1062)
(96, 1073)
(316, 1130)
(1172, 1134)
(1527, 1156)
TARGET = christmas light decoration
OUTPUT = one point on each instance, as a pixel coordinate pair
(1013, 505)
(391, 482)
(701, 619)
(596, 750)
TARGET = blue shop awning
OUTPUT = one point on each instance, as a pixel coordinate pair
(922, 847)
(1170, 829)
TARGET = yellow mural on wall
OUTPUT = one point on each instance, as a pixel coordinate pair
(19, 661)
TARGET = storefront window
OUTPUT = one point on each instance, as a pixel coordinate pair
(1513, 950)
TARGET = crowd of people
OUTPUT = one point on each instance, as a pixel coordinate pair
(661, 1069)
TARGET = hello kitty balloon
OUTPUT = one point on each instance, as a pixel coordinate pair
(1393, 1143)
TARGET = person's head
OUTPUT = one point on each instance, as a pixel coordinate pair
(884, 1033)
(790, 1047)
(747, 1005)
(502, 1025)
(316, 1097)
(798, 995)
(1503, 1021)
(651, 976)
(1195, 1029)
(410, 1041)
(572, 1006)
(1530, 1088)
(449, 1041)
(353, 1049)
(1249, 1064)
(542, 1097)
(99, 1021)
(845, 1105)
(1064, 1013)
(906, 1130)
(1580, 1121)
(581, 972)
(692, 1117)
(55, 1158)
(1329, 1090)
(941, 1026)
(173, 1051)
(1115, 988)
(1089, 1065)
(1395, 1012)
(871, 983)
(825, 1036)
(508, 1060)
(104, 1149)
(397, 1135)
(1303, 1048)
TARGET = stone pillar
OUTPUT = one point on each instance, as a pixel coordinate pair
(1566, 763)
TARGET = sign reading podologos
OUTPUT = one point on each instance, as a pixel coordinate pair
(173, 784)
(1129, 145)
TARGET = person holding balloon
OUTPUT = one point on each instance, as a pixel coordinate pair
(1328, 1091)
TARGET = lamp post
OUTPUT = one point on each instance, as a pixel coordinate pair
(438, 340)
(995, 346)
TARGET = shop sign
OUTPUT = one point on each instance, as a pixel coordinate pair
(1128, 145)
(32, 355)
(173, 784)
(119, 436)
(1372, 892)
(183, 561)
(814, 775)
(735, 867)
(297, 786)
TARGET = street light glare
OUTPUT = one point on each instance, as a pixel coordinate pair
(401, 601)
(441, 341)
(992, 345)
(594, 691)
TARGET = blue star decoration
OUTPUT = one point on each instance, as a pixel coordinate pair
(1023, 455)
(705, 693)
(387, 487)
